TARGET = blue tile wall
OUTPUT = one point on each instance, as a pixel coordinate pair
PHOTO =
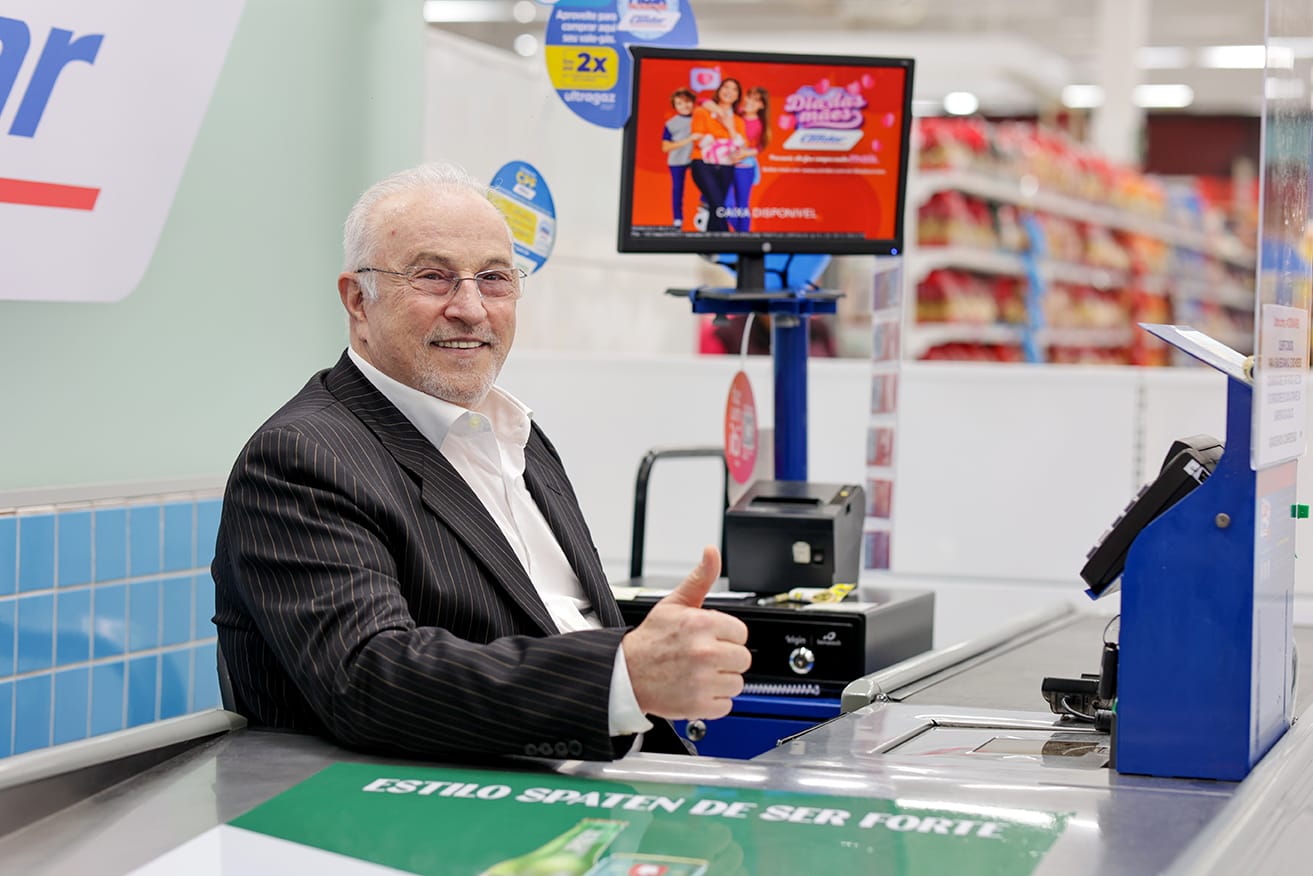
(71, 704)
(143, 615)
(6, 718)
(73, 626)
(110, 620)
(107, 682)
(111, 540)
(143, 540)
(8, 640)
(176, 611)
(179, 536)
(36, 552)
(143, 689)
(73, 533)
(36, 632)
(9, 554)
(105, 617)
(32, 713)
(175, 683)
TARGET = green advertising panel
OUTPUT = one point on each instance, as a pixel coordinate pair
(486, 823)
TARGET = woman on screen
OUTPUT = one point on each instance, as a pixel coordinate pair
(747, 173)
(719, 143)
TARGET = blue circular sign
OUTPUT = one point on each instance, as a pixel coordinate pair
(586, 56)
(521, 193)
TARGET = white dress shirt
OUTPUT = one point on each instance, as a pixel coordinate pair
(486, 447)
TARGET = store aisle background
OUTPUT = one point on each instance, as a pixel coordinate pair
(1006, 476)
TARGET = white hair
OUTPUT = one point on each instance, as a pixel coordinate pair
(359, 233)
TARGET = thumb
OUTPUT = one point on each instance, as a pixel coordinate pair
(693, 589)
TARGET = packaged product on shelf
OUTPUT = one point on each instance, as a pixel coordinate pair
(952, 218)
(948, 143)
(1009, 232)
(1102, 249)
(1023, 226)
(948, 295)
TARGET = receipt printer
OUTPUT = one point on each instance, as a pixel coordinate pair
(786, 534)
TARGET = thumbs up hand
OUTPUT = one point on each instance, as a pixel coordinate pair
(686, 661)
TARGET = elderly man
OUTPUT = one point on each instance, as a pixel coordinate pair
(402, 565)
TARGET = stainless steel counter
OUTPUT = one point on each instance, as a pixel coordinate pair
(1114, 824)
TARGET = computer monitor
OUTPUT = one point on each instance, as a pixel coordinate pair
(754, 153)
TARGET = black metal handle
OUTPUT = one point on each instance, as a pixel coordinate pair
(640, 500)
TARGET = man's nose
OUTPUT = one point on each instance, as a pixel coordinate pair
(465, 301)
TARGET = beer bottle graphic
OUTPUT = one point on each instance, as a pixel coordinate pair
(570, 854)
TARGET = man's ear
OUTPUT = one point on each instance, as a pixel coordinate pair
(352, 295)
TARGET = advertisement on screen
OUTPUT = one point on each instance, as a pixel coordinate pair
(744, 152)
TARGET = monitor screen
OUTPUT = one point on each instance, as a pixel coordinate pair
(748, 152)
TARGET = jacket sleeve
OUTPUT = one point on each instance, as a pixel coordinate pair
(310, 545)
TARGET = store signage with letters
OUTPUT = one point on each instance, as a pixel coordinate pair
(99, 106)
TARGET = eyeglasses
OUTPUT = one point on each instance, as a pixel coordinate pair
(497, 283)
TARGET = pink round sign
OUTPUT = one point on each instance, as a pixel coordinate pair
(740, 429)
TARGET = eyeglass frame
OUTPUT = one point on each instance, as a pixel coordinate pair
(518, 273)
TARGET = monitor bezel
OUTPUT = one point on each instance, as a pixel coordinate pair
(626, 242)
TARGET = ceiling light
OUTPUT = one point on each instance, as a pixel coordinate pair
(1233, 57)
(1300, 47)
(1279, 88)
(1082, 96)
(524, 11)
(1162, 57)
(466, 11)
(1163, 96)
(1280, 58)
(525, 44)
(961, 103)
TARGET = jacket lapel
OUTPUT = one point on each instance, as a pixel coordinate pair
(545, 479)
(442, 489)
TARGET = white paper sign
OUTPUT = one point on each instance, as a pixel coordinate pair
(1280, 376)
(99, 106)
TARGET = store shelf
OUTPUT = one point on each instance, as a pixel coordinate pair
(929, 335)
(1026, 192)
(933, 334)
(1045, 269)
(1093, 338)
(967, 258)
(1231, 295)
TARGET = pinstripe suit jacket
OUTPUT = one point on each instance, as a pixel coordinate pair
(365, 594)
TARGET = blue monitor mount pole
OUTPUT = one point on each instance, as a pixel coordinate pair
(789, 310)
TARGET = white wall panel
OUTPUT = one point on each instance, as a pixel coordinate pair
(1003, 473)
(1009, 472)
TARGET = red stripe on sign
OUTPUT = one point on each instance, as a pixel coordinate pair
(39, 194)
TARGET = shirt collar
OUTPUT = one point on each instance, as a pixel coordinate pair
(505, 415)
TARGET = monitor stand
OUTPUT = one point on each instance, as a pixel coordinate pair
(789, 310)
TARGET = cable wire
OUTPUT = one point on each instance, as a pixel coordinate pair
(1115, 619)
(1067, 707)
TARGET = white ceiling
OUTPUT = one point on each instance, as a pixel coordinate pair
(1015, 55)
